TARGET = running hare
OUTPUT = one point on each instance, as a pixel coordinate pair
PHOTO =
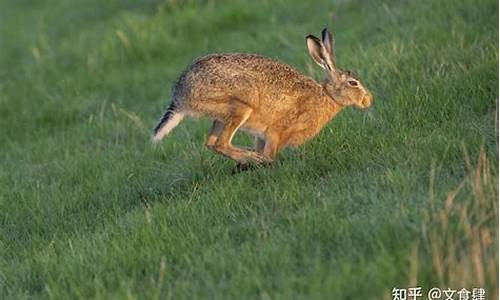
(270, 100)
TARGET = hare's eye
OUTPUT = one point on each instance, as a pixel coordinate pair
(352, 82)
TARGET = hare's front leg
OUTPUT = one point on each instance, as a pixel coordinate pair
(259, 144)
(272, 145)
(223, 135)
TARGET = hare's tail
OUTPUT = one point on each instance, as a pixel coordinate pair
(170, 119)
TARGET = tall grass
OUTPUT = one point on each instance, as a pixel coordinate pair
(458, 237)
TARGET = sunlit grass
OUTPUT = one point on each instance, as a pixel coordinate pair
(379, 199)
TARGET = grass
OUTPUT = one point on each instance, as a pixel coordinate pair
(402, 195)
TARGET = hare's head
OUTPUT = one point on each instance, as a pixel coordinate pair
(342, 86)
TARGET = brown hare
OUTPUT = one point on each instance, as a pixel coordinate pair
(270, 100)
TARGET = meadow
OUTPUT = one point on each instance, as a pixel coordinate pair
(402, 195)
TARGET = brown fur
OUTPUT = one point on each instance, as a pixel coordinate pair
(269, 99)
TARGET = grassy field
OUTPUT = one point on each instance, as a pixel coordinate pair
(402, 195)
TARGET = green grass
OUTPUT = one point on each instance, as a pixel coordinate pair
(88, 209)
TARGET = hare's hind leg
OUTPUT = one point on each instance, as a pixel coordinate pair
(263, 147)
(259, 146)
(240, 112)
(214, 133)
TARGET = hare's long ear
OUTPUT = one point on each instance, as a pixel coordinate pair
(317, 51)
(328, 45)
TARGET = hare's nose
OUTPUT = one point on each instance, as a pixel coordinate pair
(368, 100)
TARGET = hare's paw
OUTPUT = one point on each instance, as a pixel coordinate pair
(242, 167)
(258, 157)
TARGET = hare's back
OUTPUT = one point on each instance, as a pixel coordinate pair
(256, 80)
(258, 69)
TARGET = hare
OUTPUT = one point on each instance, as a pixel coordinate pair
(270, 100)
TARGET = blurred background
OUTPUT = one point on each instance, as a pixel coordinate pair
(402, 195)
